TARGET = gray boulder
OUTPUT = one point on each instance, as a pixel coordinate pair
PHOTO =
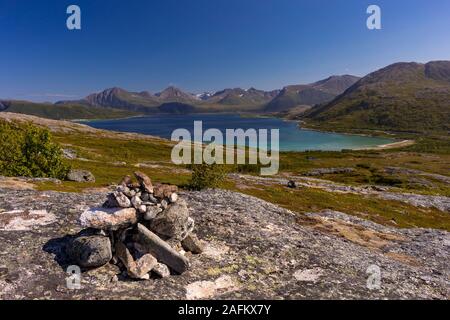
(80, 176)
(172, 222)
(161, 270)
(90, 251)
(69, 153)
(117, 199)
(193, 244)
(161, 250)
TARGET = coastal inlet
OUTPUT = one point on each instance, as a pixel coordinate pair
(292, 138)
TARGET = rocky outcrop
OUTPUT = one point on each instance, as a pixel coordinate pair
(255, 250)
(80, 176)
(324, 171)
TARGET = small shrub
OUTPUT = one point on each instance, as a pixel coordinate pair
(364, 166)
(27, 150)
(207, 176)
(386, 181)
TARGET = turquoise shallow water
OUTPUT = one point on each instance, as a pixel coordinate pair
(291, 137)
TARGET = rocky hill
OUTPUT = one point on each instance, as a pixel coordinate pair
(403, 97)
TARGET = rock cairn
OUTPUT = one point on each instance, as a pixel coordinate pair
(144, 229)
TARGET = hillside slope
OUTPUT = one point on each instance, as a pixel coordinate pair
(63, 112)
(311, 94)
(404, 97)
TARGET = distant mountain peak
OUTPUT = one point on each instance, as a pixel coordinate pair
(173, 93)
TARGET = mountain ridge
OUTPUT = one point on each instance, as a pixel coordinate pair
(310, 94)
(229, 99)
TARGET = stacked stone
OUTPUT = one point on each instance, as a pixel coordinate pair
(143, 228)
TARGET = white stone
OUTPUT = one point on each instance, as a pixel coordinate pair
(173, 197)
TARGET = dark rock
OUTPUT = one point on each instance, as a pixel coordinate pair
(135, 186)
(90, 251)
(145, 196)
(292, 184)
(162, 251)
(172, 222)
(80, 176)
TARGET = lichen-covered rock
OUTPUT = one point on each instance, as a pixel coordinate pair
(193, 244)
(125, 181)
(143, 266)
(161, 270)
(323, 171)
(80, 176)
(126, 191)
(152, 212)
(138, 269)
(108, 218)
(161, 250)
(144, 181)
(136, 202)
(117, 199)
(253, 250)
(173, 221)
(188, 228)
(163, 191)
(90, 251)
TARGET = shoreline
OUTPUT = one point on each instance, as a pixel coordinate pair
(99, 119)
(394, 145)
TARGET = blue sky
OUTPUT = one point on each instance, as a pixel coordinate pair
(207, 45)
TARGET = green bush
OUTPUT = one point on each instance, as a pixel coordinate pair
(207, 176)
(27, 150)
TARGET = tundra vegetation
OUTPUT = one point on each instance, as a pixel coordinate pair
(111, 156)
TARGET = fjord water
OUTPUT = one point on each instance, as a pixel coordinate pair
(292, 138)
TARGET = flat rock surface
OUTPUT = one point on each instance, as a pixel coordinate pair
(254, 250)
